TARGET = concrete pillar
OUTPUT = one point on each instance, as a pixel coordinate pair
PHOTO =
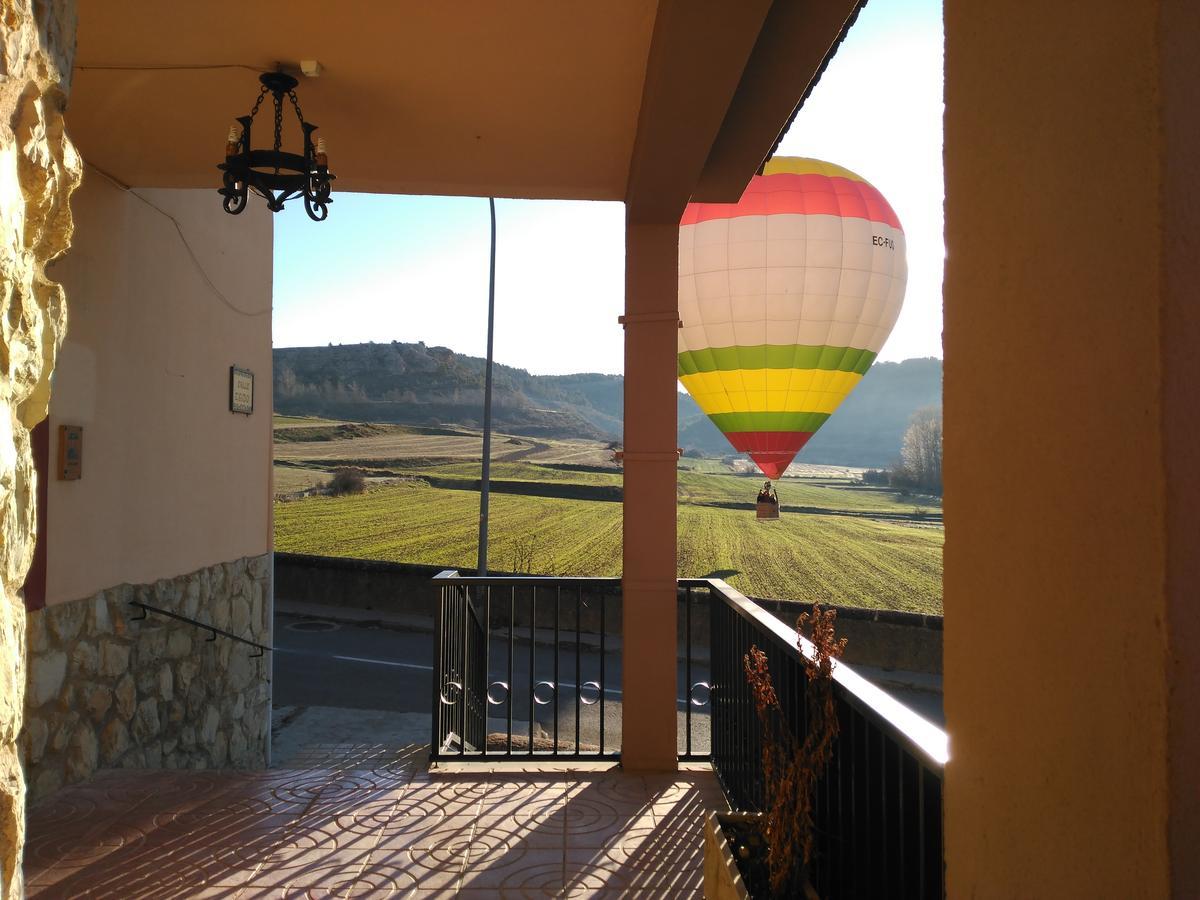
(1072, 352)
(648, 739)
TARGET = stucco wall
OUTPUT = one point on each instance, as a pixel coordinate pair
(1055, 505)
(172, 480)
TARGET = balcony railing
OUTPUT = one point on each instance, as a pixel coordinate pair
(878, 810)
(530, 667)
(527, 667)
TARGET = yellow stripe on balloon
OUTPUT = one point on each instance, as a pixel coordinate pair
(769, 390)
(797, 166)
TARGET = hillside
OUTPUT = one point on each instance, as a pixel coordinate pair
(419, 385)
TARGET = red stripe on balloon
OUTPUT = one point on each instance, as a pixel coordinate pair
(772, 451)
(812, 195)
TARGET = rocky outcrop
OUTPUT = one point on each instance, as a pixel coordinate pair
(108, 689)
(39, 169)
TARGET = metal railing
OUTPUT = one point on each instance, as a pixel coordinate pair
(878, 810)
(526, 666)
(211, 629)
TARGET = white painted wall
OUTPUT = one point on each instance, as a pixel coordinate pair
(172, 480)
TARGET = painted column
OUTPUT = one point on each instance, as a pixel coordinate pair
(1072, 334)
(648, 740)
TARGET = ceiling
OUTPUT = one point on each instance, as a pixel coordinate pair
(523, 98)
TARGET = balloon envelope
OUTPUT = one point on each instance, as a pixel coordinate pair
(786, 297)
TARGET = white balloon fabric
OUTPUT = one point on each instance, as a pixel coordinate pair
(786, 298)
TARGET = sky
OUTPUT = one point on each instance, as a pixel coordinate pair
(415, 268)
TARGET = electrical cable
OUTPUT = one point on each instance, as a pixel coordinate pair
(187, 246)
(166, 68)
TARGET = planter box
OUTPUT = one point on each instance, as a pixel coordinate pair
(722, 880)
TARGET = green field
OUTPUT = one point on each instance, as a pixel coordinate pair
(554, 512)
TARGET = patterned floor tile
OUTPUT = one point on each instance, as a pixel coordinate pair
(370, 821)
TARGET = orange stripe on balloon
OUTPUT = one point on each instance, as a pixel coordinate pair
(812, 195)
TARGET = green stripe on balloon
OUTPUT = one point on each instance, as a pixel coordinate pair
(776, 356)
(769, 421)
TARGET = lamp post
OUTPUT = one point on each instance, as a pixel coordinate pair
(484, 488)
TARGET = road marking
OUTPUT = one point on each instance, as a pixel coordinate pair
(385, 662)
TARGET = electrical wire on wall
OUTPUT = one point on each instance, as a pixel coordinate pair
(183, 239)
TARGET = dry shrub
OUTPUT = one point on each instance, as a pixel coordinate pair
(346, 481)
(791, 766)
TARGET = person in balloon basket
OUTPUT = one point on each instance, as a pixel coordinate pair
(767, 494)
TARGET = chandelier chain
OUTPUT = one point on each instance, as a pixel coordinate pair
(258, 102)
(278, 122)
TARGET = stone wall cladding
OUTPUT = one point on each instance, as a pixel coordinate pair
(39, 169)
(106, 690)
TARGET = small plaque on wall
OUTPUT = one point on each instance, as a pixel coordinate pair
(70, 452)
(241, 390)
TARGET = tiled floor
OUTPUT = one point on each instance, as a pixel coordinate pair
(358, 821)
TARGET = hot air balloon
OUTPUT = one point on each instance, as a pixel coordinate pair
(786, 298)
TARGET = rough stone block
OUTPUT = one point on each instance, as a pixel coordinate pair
(126, 696)
(85, 659)
(37, 733)
(191, 597)
(259, 567)
(99, 621)
(114, 658)
(82, 754)
(145, 721)
(219, 751)
(152, 645)
(64, 727)
(97, 700)
(166, 683)
(179, 644)
(36, 636)
(66, 619)
(187, 737)
(114, 741)
(185, 671)
(208, 726)
(46, 674)
(221, 613)
(239, 617)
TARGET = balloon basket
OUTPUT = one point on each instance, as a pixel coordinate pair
(766, 510)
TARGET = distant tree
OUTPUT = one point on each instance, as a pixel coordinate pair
(921, 450)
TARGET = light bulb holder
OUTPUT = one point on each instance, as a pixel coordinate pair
(276, 175)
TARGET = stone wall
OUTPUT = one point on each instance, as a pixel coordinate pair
(39, 169)
(107, 690)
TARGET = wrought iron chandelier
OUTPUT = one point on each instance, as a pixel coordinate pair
(276, 175)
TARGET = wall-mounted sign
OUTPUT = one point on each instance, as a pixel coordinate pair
(70, 452)
(241, 390)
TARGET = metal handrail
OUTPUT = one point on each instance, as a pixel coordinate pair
(919, 733)
(213, 629)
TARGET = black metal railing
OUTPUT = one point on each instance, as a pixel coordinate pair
(526, 666)
(213, 631)
(878, 810)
